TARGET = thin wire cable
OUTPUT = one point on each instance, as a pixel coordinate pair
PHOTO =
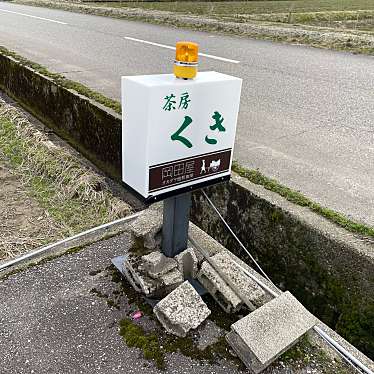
(355, 363)
(344, 357)
(237, 239)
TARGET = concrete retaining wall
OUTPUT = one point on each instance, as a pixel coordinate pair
(329, 270)
(91, 128)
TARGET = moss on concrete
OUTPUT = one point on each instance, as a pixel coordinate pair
(134, 336)
(357, 323)
(63, 81)
(155, 344)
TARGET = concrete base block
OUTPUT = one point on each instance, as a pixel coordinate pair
(220, 291)
(139, 281)
(187, 263)
(142, 282)
(249, 289)
(263, 335)
(148, 227)
(157, 264)
(182, 310)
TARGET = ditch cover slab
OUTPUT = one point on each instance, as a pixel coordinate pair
(270, 330)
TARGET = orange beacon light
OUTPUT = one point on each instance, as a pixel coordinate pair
(186, 60)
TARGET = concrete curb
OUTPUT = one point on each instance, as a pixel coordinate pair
(52, 250)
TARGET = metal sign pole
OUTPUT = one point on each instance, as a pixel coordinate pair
(175, 224)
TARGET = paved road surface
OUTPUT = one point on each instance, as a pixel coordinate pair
(307, 115)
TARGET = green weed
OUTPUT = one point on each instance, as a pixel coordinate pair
(298, 198)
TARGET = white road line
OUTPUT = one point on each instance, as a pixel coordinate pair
(170, 47)
(28, 15)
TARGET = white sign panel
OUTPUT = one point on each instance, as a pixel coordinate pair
(177, 133)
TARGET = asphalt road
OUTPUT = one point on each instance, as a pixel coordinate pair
(306, 117)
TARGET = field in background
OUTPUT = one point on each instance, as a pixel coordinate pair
(339, 14)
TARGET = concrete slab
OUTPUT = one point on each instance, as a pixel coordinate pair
(219, 290)
(210, 245)
(248, 288)
(182, 310)
(272, 329)
(249, 292)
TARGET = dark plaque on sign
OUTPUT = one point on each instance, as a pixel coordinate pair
(183, 171)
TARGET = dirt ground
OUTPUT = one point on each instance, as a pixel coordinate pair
(23, 223)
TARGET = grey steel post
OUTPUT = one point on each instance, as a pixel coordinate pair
(175, 225)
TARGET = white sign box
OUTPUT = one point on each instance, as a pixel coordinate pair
(177, 133)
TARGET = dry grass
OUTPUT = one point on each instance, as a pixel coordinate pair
(73, 196)
(23, 224)
(246, 7)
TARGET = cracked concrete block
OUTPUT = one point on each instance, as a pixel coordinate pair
(220, 291)
(150, 287)
(139, 281)
(263, 335)
(172, 279)
(148, 227)
(182, 310)
(157, 264)
(253, 293)
(187, 263)
(210, 245)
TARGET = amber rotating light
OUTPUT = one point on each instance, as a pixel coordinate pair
(186, 58)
